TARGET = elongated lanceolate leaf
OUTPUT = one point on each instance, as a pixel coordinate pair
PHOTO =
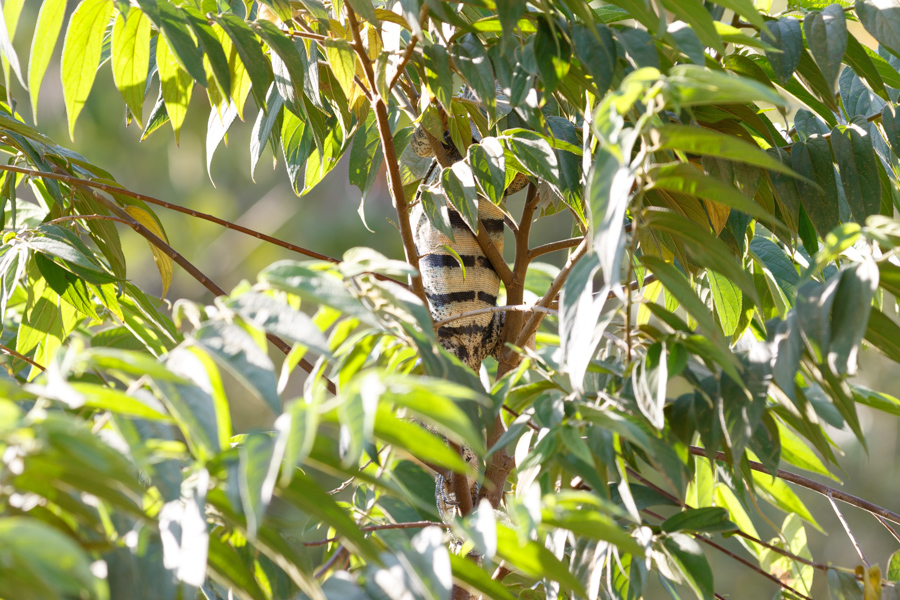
(826, 35)
(850, 315)
(488, 164)
(881, 18)
(176, 85)
(812, 159)
(859, 171)
(473, 62)
(81, 55)
(46, 32)
(597, 53)
(459, 188)
(131, 59)
(787, 37)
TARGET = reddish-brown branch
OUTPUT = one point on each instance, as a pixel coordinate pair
(15, 354)
(404, 60)
(196, 274)
(459, 483)
(553, 247)
(390, 156)
(493, 254)
(815, 486)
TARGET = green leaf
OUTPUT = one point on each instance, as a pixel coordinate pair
(251, 54)
(296, 145)
(812, 159)
(534, 559)
(81, 55)
(711, 519)
(170, 20)
(698, 140)
(286, 50)
(459, 188)
(260, 458)
(704, 247)
(343, 63)
(884, 334)
(864, 66)
(365, 155)
(118, 402)
(228, 566)
(850, 315)
(882, 20)
(472, 61)
(890, 121)
(307, 495)
(418, 441)
(892, 573)
(535, 153)
(700, 21)
(594, 525)
(237, 351)
(692, 85)
(488, 164)
(42, 562)
(438, 76)
(687, 179)
(212, 48)
(597, 53)
(888, 73)
(175, 83)
(843, 586)
(46, 33)
(270, 315)
(857, 164)
(686, 554)
(787, 37)
(679, 287)
(131, 59)
(727, 299)
(826, 35)
(472, 576)
(552, 53)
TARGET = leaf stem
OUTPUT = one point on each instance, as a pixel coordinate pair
(849, 531)
(15, 354)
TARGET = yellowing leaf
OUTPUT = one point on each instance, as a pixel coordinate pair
(176, 84)
(871, 582)
(163, 261)
(718, 214)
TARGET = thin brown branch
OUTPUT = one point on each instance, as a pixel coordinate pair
(111, 189)
(198, 275)
(814, 486)
(404, 60)
(531, 326)
(740, 559)
(390, 157)
(553, 247)
(888, 527)
(307, 34)
(338, 555)
(524, 308)
(409, 525)
(15, 354)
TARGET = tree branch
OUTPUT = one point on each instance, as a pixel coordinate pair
(15, 354)
(196, 274)
(553, 247)
(815, 486)
(493, 254)
(390, 157)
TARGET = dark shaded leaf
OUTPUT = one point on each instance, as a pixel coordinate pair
(826, 35)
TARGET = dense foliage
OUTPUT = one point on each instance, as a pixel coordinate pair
(731, 174)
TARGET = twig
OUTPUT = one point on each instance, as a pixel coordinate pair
(740, 559)
(850, 535)
(459, 483)
(15, 354)
(410, 525)
(390, 157)
(338, 555)
(407, 54)
(888, 527)
(553, 247)
(112, 189)
(531, 326)
(814, 486)
(525, 308)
